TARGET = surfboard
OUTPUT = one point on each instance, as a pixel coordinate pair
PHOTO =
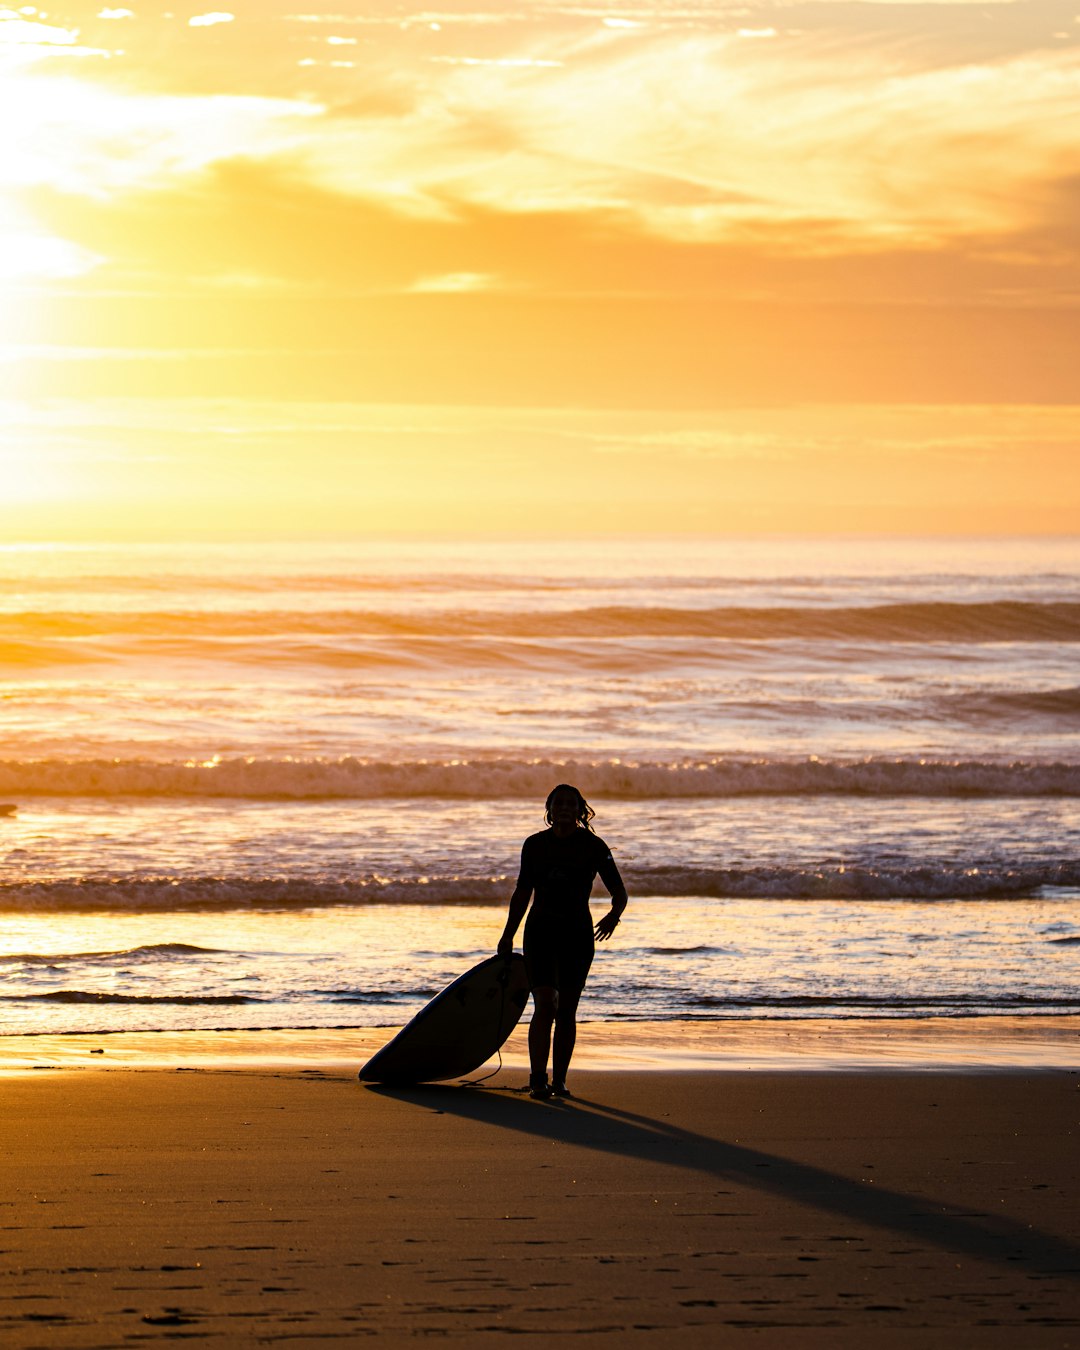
(459, 1029)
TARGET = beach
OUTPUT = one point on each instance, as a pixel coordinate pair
(565, 512)
(250, 1206)
(263, 803)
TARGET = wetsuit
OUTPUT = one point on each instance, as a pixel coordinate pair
(558, 941)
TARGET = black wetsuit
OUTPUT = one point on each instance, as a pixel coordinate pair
(558, 940)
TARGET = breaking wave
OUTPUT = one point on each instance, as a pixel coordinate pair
(495, 778)
(791, 882)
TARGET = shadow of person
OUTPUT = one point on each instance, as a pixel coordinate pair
(594, 1125)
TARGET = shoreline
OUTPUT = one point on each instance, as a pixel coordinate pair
(861, 1045)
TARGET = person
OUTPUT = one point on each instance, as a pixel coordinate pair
(558, 866)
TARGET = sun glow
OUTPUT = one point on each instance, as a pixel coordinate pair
(25, 254)
(758, 239)
(26, 477)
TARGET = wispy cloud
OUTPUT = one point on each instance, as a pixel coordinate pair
(614, 194)
(89, 139)
(809, 138)
(147, 465)
(972, 434)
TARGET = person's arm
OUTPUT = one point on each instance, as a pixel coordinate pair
(519, 903)
(609, 875)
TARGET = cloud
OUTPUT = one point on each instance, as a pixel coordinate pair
(17, 31)
(663, 212)
(248, 223)
(210, 20)
(27, 254)
(809, 145)
(86, 138)
(508, 62)
(966, 434)
(26, 42)
(454, 283)
(844, 135)
(846, 429)
(154, 466)
(430, 20)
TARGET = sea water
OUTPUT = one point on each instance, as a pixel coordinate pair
(286, 786)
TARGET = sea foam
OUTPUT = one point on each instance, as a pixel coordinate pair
(793, 881)
(494, 778)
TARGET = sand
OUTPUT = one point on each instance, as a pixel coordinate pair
(255, 1206)
(935, 1043)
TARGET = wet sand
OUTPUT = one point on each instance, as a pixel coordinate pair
(257, 1206)
(871, 1043)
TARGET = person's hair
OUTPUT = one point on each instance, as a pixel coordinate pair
(584, 812)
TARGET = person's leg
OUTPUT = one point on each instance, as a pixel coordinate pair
(565, 1037)
(545, 1011)
(542, 963)
(574, 969)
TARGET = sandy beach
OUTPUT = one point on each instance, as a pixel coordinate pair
(268, 798)
(850, 1044)
(247, 1207)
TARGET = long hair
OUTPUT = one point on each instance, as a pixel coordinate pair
(584, 813)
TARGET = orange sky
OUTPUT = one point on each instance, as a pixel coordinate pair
(539, 268)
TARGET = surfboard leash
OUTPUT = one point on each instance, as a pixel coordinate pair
(475, 1082)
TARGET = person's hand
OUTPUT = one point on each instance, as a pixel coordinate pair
(606, 926)
(505, 949)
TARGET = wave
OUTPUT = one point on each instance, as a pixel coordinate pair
(154, 951)
(1016, 704)
(930, 621)
(261, 582)
(511, 778)
(261, 579)
(958, 1003)
(170, 893)
(92, 996)
(681, 951)
(858, 882)
(487, 581)
(408, 996)
(915, 881)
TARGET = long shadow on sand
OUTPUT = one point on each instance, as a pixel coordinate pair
(594, 1125)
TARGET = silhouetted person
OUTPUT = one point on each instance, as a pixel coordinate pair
(557, 870)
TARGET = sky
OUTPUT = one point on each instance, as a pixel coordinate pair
(540, 269)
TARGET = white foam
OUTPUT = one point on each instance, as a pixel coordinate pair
(495, 778)
(781, 882)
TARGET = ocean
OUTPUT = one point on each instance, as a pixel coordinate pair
(286, 785)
